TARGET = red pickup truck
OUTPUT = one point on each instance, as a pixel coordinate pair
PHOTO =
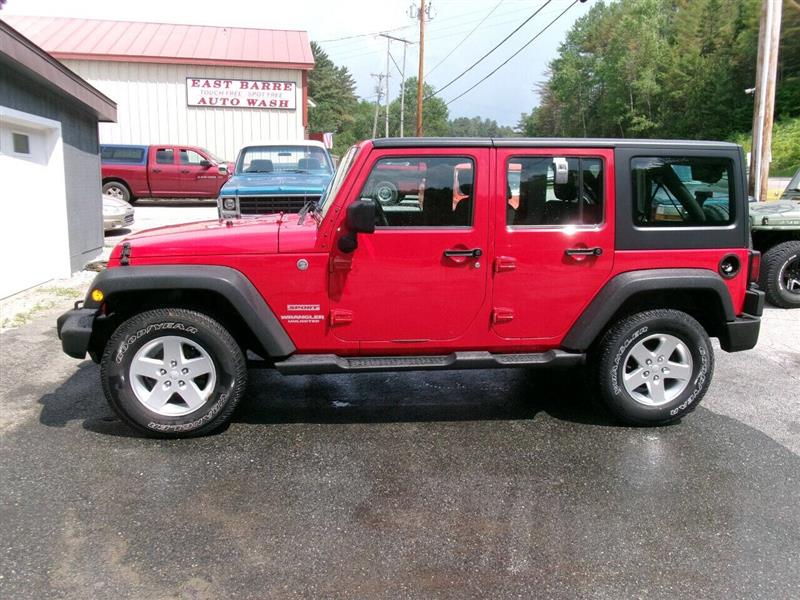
(162, 171)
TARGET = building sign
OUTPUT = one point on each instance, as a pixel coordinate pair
(241, 93)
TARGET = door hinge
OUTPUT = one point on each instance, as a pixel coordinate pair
(340, 317)
(504, 263)
(340, 263)
(502, 315)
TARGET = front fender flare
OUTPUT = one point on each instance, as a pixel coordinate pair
(227, 282)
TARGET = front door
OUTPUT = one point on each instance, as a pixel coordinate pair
(198, 180)
(554, 238)
(422, 275)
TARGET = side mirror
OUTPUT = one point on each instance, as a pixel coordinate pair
(361, 216)
(205, 163)
(223, 169)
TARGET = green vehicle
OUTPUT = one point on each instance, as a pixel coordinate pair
(775, 228)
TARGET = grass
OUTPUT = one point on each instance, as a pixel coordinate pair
(785, 147)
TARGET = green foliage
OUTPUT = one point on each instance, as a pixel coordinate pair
(785, 147)
(477, 127)
(434, 112)
(662, 68)
(332, 89)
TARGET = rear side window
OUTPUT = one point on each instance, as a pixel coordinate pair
(165, 156)
(553, 191)
(682, 191)
(121, 154)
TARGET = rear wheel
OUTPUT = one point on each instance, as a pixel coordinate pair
(173, 373)
(654, 367)
(780, 275)
(118, 190)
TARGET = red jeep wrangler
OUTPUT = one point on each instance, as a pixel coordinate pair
(624, 254)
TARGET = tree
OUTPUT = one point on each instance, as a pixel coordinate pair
(332, 89)
(434, 112)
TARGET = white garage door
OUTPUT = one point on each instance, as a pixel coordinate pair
(34, 239)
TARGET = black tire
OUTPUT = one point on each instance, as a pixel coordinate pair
(118, 190)
(198, 330)
(613, 356)
(779, 267)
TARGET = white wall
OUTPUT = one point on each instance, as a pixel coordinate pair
(151, 100)
(34, 237)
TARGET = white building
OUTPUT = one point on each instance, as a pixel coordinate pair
(215, 87)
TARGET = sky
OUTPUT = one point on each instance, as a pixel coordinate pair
(502, 97)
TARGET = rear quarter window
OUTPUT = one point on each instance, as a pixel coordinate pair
(675, 191)
(121, 154)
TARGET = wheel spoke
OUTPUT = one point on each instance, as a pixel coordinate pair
(635, 379)
(656, 391)
(173, 351)
(201, 365)
(158, 397)
(191, 394)
(147, 367)
(679, 371)
(667, 346)
(641, 354)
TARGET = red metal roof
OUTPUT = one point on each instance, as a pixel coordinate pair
(91, 39)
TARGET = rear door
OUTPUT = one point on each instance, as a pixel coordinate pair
(198, 180)
(554, 230)
(164, 172)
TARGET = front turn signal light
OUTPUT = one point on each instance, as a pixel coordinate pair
(97, 295)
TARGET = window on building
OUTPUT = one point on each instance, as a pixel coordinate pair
(682, 191)
(21, 143)
(165, 156)
(190, 157)
(422, 191)
(547, 190)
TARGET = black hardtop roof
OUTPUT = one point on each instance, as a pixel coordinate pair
(512, 142)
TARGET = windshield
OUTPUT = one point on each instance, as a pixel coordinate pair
(336, 182)
(284, 159)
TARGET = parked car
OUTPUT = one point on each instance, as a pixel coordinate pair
(792, 191)
(776, 234)
(580, 271)
(275, 177)
(116, 213)
(161, 171)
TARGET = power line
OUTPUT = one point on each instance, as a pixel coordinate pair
(482, 58)
(474, 29)
(360, 35)
(545, 28)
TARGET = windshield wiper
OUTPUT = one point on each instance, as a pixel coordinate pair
(310, 203)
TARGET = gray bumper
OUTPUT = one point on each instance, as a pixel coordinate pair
(75, 330)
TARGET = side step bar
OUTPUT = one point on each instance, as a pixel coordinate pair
(315, 364)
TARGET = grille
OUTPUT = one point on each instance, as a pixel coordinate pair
(266, 205)
(128, 219)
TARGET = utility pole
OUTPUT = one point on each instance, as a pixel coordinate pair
(764, 101)
(420, 86)
(402, 70)
(388, 50)
(379, 90)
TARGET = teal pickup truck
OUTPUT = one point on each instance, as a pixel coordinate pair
(275, 178)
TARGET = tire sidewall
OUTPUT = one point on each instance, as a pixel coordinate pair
(131, 337)
(126, 195)
(788, 297)
(703, 363)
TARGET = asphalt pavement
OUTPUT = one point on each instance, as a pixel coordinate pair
(482, 484)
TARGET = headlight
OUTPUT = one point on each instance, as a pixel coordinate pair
(229, 203)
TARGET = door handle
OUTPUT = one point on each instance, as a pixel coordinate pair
(184, 170)
(597, 251)
(473, 253)
(156, 170)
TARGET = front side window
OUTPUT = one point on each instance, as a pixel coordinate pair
(422, 191)
(682, 191)
(190, 157)
(552, 191)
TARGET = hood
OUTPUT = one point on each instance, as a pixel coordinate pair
(780, 213)
(204, 238)
(112, 204)
(244, 184)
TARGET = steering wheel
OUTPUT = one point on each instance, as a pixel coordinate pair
(380, 213)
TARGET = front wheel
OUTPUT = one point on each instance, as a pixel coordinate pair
(780, 275)
(654, 367)
(173, 373)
